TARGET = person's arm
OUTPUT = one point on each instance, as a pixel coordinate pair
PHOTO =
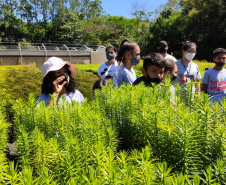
(198, 88)
(204, 87)
(205, 81)
(197, 85)
(57, 88)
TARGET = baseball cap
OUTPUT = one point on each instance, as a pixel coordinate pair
(54, 64)
(163, 42)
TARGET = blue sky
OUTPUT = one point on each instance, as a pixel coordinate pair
(124, 7)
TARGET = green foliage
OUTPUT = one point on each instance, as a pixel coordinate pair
(197, 21)
(169, 26)
(3, 136)
(88, 68)
(209, 19)
(70, 141)
(3, 147)
(71, 29)
(85, 82)
(186, 137)
(203, 65)
(26, 45)
(128, 135)
(2, 47)
(19, 82)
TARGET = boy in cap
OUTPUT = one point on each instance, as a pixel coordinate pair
(162, 48)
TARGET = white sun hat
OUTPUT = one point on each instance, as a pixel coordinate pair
(52, 64)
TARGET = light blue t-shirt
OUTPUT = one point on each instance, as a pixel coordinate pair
(187, 73)
(216, 81)
(126, 75)
(69, 97)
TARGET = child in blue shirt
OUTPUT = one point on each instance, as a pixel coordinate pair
(128, 56)
(214, 79)
(187, 69)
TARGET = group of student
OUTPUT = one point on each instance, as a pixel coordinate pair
(59, 75)
(156, 66)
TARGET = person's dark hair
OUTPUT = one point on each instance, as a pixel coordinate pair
(187, 45)
(154, 59)
(126, 45)
(170, 66)
(124, 40)
(218, 51)
(112, 47)
(99, 84)
(47, 83)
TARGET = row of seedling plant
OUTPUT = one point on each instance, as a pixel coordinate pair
(129, 135)
(3, 146)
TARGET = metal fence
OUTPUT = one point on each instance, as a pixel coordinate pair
(49, 46)
(23, 52)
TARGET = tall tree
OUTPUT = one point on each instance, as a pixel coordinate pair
(35, 9)
(90, 9)
(8, 8)
(95, 9)
(74, 5)
(71, 30)
(45, 12)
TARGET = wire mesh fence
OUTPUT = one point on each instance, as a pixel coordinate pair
(49, 46)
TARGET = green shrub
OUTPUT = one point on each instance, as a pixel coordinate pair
(18, 82)
(129, 135)
(203, 65)
(3, 148)
(70, 142)
(26, 45)
(88, 67)
(85, 82)
(188, 135)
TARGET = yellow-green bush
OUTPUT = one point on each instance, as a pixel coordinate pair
(19, 81)
(85, 82)
(3, 147)
(88, 67)
(203, 65)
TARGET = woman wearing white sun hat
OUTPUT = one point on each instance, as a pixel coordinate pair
(59, 81)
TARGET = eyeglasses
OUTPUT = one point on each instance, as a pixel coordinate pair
(103, 71)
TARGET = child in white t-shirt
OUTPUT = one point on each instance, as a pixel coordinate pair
(214, 79)
(188, 70)
(110, 68)
(128, 55)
